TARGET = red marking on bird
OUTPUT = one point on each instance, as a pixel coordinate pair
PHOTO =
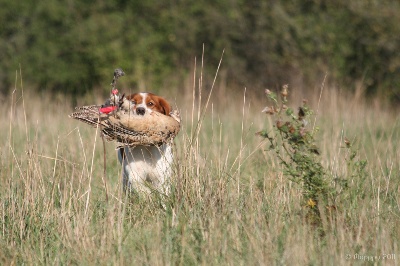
(107, 109)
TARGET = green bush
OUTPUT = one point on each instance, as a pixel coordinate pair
(72, 45)
(292, 139)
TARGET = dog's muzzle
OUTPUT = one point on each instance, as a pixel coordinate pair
(140, 111)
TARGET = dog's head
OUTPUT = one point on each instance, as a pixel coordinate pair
(145, 102)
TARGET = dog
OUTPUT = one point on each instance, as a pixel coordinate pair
(146, 167)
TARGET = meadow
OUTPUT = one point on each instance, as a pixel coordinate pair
(230, 204)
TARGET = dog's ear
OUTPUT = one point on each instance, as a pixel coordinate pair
(131, 96)
(164, 105)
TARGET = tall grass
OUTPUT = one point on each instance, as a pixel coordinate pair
(229, 203)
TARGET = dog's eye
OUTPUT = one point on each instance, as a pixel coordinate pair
(150, 103)
(134, 102)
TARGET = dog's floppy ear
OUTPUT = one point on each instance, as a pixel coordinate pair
(164, 105)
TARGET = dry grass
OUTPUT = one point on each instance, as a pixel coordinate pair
(230, 202)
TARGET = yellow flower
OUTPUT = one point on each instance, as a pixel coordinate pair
(311, 203)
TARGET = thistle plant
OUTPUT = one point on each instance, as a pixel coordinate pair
(294, 145)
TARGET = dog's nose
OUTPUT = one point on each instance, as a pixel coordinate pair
(140, 111)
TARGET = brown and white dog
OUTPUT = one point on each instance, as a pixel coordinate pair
(147, 166)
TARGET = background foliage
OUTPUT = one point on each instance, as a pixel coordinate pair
(69, 45)
(231, 202)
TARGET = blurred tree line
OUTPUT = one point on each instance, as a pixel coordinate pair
(71, 45)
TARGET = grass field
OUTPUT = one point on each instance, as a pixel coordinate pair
(230, 202)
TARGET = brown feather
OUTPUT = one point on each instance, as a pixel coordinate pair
(128, 129)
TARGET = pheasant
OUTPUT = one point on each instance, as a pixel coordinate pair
(118, 123)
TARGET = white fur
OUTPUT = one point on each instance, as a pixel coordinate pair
(146, 166)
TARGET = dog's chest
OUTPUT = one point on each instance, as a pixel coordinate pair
(148, 163)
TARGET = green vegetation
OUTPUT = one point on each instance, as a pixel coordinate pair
(292, 139)
(293, 142)
(231, 201)
(71, 46)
